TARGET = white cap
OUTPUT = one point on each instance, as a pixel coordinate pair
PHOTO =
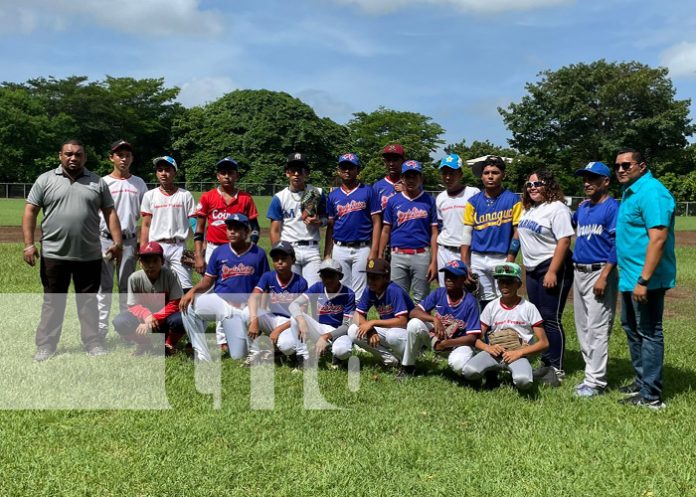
(330, 265)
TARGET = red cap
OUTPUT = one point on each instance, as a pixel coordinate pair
(395, 149)
(152, 248)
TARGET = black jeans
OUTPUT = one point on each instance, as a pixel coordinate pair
(55, 278)
(126, 323)
(550, 302)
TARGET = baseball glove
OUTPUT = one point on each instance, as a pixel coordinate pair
(472, 284)
(188, 258)
(507, 338)
(310, 203)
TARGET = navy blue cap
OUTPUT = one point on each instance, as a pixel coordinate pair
(227, 161)
(412, 165)
(456, 267)
(238, 219)
(598, 168)
(351, 158)
(283, 248)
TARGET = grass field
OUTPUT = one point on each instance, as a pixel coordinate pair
(428, 436)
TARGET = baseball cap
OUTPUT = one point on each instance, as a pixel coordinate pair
(330, 265)
(282, 248)
(349, 157)
(166, 158)
(226, 162)
(412, 165)
(121, 144)
(152, 248)
(395, 149)
(598, 168)
(296, 157)
(508, 270)
(452, 161)
(377, 266)
(237, 219)
(456, 267)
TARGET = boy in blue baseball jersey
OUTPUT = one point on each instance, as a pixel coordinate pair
(596, 279)
(352, 233)
(411, 229)
(387, 337)
(232, 272)
(490, 225)
(393, 156)
(333, 305)
(275, 291)
(456, 324)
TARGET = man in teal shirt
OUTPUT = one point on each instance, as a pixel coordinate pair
(648, 268)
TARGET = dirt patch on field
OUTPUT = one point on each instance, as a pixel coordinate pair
(685, 238)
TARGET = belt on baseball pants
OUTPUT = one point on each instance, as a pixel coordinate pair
(365, 243)
(124, 236)
(169, 240)
(589, 268)
(450, 247)
(304, 243)
(407, 251)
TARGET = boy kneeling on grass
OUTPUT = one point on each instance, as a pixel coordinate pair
(456, 324)
(147, 289)
(512, 329)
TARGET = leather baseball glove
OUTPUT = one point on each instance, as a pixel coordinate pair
(188, 258)
(507, 338)
(310, 203)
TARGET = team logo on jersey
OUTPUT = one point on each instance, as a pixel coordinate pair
(329, 308)
(410, 215)
(385, 309)
(588, 230)
(352, 206)
(493, 219)
(384, 199)
(528, 224)
(240, 269)
(282, 297)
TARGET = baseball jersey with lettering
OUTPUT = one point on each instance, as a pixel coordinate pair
(213, 207)
(352, 213)
(281, 295)
(540, 228)
(170, 213)
(464, 312)
(520, 318)
(286, 207)
(450, 213)
(331, 309)
(595, 231)
(392, 303)
(384, 189)
(236, 275)
(411, 220)
(493, 221)
(128, 194)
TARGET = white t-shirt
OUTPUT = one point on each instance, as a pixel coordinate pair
(169, 213)
(128, 195)
(450, 211)
(520, 318)
(286, 207)
(540, 228)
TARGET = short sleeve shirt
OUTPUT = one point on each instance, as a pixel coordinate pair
(169, 213)
(331, 309)
(521, 318)
(281, 295)
(493, 221)
(236, 275)
(450, 212)
(540, 228)
(464, 312)
(215, 209)
(411, 220)
(390, 304)
(595, 231)
(153, 294)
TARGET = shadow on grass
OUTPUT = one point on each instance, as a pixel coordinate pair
(677, 381)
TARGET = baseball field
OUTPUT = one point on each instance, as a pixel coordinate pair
(430, 435)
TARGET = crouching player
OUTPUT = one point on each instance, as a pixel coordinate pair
(148, 288)
(387, 337)
(278, 289)
(233, 271)
(508, 312)
(456, 324)
(334, 305)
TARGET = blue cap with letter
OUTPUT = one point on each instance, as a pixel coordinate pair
(598, 168)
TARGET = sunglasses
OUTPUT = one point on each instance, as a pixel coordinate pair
(623, 166)
(535, 184)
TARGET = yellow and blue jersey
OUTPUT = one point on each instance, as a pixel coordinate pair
(493, 221)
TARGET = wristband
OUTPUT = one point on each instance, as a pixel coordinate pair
(32, 246)
(514, 247)
(198, 237)
(642, 281)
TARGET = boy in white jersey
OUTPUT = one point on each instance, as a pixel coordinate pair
(127, 191)
(450, 212)
(289, 223)
(166, 211)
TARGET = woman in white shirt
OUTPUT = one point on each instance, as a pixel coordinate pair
(545, 229)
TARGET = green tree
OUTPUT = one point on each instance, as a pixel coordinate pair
(259, 128)
(585, 112)
(370, 132)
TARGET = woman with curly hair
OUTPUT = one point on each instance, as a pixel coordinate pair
(545, 229)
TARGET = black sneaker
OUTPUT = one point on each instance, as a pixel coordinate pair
(492, 380)
(630, 389)
(540, 372)
(550, 379)
(405, 373)
(637, 400)
(97, 351)
(44, 353)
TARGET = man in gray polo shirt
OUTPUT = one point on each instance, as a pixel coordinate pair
(71, 198)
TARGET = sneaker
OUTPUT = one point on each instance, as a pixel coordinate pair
(298, 364)
(580, 386)
(560, 374)
(630, 389)
(586, 391)
(540, 372)
(255, 358)
(550, 379)
(44, 354)
(143, 350)
(97, 351)
(492, 380)
(637, 400)
(405, 373)
(336, 363)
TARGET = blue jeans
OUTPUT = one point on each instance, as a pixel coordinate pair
(643, 326)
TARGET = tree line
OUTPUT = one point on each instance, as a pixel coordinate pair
(566, 118)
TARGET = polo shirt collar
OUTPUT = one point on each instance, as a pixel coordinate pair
(638, 184)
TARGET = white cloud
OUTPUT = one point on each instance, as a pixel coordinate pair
(201, 91)
(143, 17)
(326, 105)
(467, 6)
(680, 59)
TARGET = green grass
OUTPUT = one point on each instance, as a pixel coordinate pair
(428, 436)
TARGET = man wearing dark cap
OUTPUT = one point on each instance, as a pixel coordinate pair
(127, 190)
(393, 156)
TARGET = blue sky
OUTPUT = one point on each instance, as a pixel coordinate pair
(453, 60)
